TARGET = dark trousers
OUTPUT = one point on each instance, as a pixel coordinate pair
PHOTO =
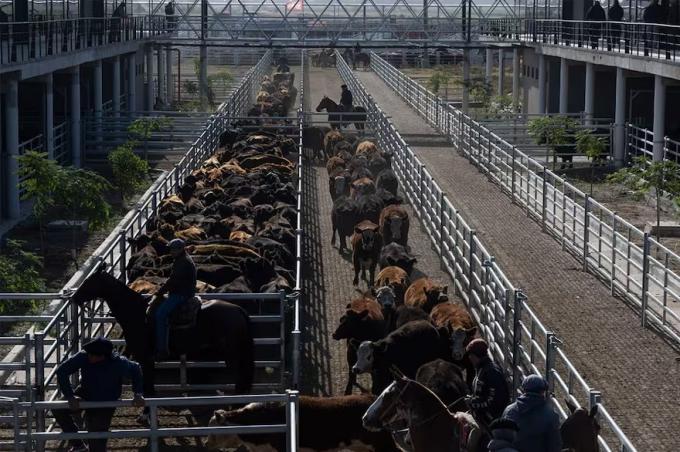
(96, 420)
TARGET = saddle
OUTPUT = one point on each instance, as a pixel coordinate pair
(185, 315)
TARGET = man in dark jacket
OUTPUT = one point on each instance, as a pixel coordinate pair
(596, 16)
(102, 373)
(346, 98)
(539, 425)
(615, 15)
(180, 287)
(490, 393)
(503, 436)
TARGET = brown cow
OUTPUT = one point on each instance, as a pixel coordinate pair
(334, 163)
(458, 321)
(394, 225)
(192, 233)
(367, 148)
(329, 141)
(395, 278)
(366, 245)
(363, 321)
(339, 183)
(362, 186)
(425, 294)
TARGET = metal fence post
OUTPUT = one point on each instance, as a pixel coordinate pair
(39, 388)
(519, 299)
(544, 198)
(586, 232)
(153, 427)
(613, 254)
(512, 175)
(594, 398)
(442, 207)
(471, 266)
(282, 333)
(645, 277)
(121, 250)
(550, 350)
(508, 303)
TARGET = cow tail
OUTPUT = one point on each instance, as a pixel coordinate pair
(246, 359)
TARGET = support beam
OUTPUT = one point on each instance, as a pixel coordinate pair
(116, 86)
(542, 81)
(488, 75)
(169, 83)
(203, 78)
(74, 108)
(48, 121)
(98, 99)
(515, 79)
(590, 94)
(132, 82)
(12, 146)
(619, 119)
(564, 86)
(160, 74)
(149, 78)
(501, 72)
(466, 80)
(659, 117)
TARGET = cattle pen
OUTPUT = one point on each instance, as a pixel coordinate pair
(302, 357)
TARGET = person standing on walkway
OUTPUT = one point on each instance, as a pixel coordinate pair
(596, 16)
(102, 373)
(490, 393)
(539, 425)
(615, 15)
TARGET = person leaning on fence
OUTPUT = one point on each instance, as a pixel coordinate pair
(597, 17)
(539, 425)
(170, 15)
(615, 15)
(102, 372)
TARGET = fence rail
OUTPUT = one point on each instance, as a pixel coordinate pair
(517, 337)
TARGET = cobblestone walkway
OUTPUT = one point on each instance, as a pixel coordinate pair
(637, 372)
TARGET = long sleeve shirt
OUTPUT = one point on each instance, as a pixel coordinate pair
(102, 381)
(182, 280)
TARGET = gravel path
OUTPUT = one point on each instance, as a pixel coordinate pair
(634, 368)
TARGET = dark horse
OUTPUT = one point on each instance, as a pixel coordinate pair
(222, 330)
(335, 117)
(363, 58)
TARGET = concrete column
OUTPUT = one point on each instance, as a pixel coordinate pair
(542, 79)
(116, 86)
(515, 78)
(149, 78)
(488, 76)
(501, 72)
(203, 77)
(160, 74)
(168, 75)
(74, 107)
(619, 119)
(590, 93)
(659, 116)
(132, 82)
(12, 143)
(564, 86)
(49, 115)
(98, 99)
(466, 80)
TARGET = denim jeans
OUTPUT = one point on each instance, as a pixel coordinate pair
(161, 319)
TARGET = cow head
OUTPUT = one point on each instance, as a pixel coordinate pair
(220, 418)
(395, 223)
(459, 338)
(349, 323)
(368, 237)
(386, 297)
(436, 295)
(367, 354)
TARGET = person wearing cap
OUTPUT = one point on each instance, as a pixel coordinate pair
(539, 424)
(503, 435)
(180, 286)
(490, 393)
(102, 372)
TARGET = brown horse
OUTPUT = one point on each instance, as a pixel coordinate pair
(580, 430)
(335, 114)
(223, 330)
(406, 405)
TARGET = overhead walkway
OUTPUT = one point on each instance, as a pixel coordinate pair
(632, 366)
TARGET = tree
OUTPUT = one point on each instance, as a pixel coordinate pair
(593, 147)
(129, 171)
(142, 128)
(554, 131)
(438, 78)
(643, 176)
(19, 272)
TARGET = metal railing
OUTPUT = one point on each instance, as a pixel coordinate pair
(21, 42)
(517, 337)
(640, 142)
(25, 439)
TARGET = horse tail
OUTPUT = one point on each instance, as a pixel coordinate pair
(245, 361)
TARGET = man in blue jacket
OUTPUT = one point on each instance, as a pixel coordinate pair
(102, 373)
(539, 424)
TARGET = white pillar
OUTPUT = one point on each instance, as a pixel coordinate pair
(542, 79)
(501, 72)
(619, 119)
(590, 93)
(466, 80)
(149, 78)
(203, 78)
(116, 86)
(160, 74)
(132, 82)
(12, 142)
(169, 90)
(75, 116)
(488, 76)
(659, 116)
(564, 86)
(515, 78)
(49, 115)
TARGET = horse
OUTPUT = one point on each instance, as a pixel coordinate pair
(415, 415)
(580, 430)
(335, 117)
(363, 58)
(222, 330)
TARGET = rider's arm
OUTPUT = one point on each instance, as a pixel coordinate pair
(133, 371)
(66, 369)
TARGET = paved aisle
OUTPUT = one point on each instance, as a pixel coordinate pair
(637, 372)
(327, 275)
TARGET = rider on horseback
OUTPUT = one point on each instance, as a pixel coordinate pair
(346, 100)
(181, 286)
(490, 393)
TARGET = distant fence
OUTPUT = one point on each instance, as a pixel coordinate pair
(517, 337)
(640, 142)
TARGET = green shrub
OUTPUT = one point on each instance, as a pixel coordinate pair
(19, 272)
(129, 171)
